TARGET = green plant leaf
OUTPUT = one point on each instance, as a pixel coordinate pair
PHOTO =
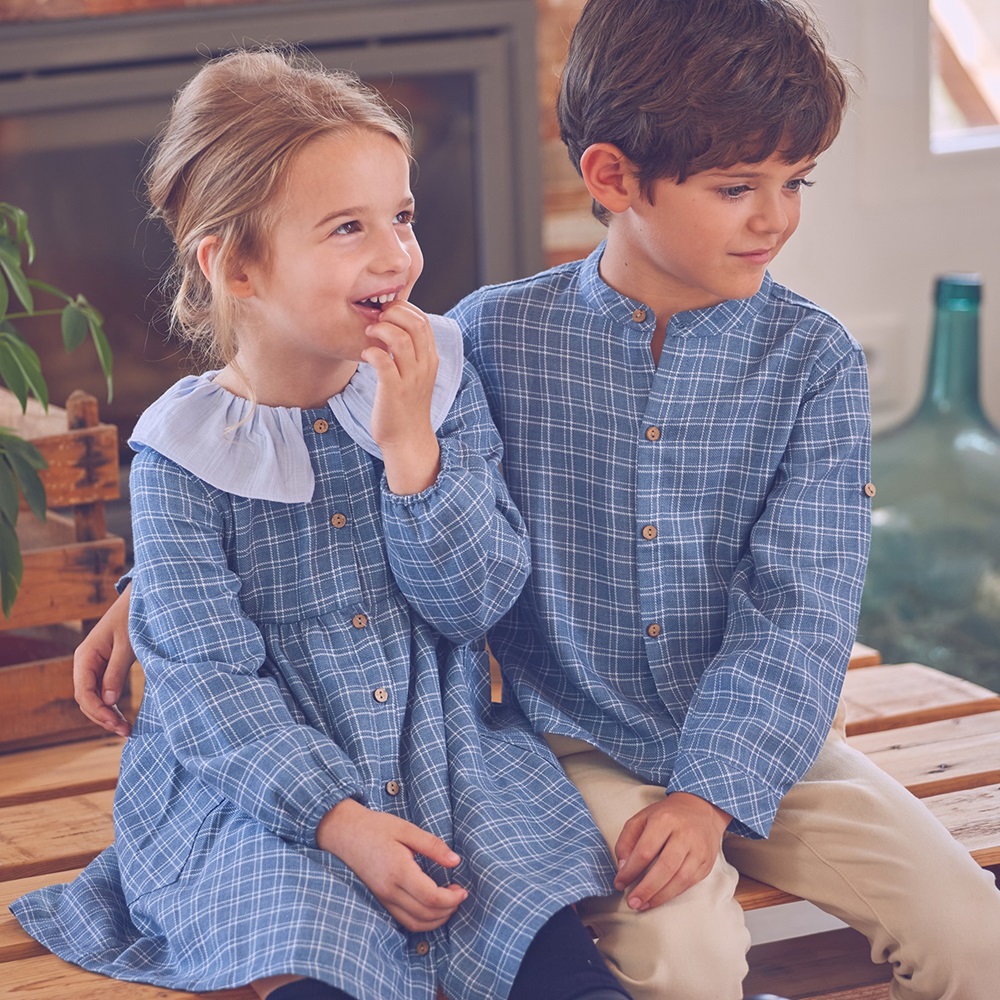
(30, 365)
(74, 326)
(8, 489)
(10, 264)
(25, 450)
(24, 459)
(11, 375)
(4, 298)
(43, 286)
(11, 567)
(102, 346)
(20, 219)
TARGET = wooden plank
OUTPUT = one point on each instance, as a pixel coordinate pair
(15, 944)
(38, 707)
(864, 656)
(908, 694)
(83, 466)
(938, 757)
(973, 817)
(830, 964)
(754, 895)
(83, 461)
(56, 835)
(59, 771)
(67, 582)
(50, 978)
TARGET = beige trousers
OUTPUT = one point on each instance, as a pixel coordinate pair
(848, 838)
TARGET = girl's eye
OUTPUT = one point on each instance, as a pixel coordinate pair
(735, 192)
(798, 184)
(346, 228)
(407, 217)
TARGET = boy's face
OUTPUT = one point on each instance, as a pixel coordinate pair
(707, 240)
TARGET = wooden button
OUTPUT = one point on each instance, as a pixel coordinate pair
(359, 621)
(380, 695)
(338, 520)
(422, 948)
(649, 532)
(653, 630)
(869, 489)
(321, 426)
(393, 787)
(639, 315)
(652, 433)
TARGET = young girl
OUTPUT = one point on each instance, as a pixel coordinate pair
(315, 798)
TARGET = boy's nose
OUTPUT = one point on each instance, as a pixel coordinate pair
(772, 216)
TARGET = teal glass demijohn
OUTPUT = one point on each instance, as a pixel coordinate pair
(932, 592)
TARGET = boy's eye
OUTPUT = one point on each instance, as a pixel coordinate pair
(407, 217)
(798, 184)
(346, 228)
(734, 192)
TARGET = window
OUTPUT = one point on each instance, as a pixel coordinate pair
(965, 75)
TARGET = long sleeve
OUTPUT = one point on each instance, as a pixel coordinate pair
(765, 702)
(459, 549)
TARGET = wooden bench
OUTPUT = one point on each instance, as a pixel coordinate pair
(938, 734)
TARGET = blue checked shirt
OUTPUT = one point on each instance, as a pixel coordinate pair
(699, 530)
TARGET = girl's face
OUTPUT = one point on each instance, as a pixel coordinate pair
(342, 247)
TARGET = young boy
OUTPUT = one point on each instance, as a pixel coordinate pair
(688, 444)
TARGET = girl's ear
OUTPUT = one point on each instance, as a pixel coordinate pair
(237, 282)
(610, 176)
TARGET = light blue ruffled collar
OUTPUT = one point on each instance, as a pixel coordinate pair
(258, 451)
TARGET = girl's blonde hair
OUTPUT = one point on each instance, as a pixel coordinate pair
(219, 165)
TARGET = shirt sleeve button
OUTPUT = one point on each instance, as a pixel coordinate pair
(652, 433)
(380, 695)
(321, 426)
(869, 489)
(653, 630)
(338, 520)
(649, 532)
(393, 788)
(359, 621)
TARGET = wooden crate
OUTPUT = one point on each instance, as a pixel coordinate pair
(71, 565)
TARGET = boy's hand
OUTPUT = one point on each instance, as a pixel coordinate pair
(674, 842)
(405, 360)
(379, 848)
(100, 668)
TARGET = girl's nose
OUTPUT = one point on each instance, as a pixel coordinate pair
(392, 255)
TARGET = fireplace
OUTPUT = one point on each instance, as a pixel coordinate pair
(80, 100)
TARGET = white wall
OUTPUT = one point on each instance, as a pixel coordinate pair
(887, 215)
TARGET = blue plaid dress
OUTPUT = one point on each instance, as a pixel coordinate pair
(299, 652)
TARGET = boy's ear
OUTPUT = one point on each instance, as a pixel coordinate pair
(610, 176)
(238, 282)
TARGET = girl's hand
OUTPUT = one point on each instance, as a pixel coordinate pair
(379, 848)
(405, 360)
(100, 668)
